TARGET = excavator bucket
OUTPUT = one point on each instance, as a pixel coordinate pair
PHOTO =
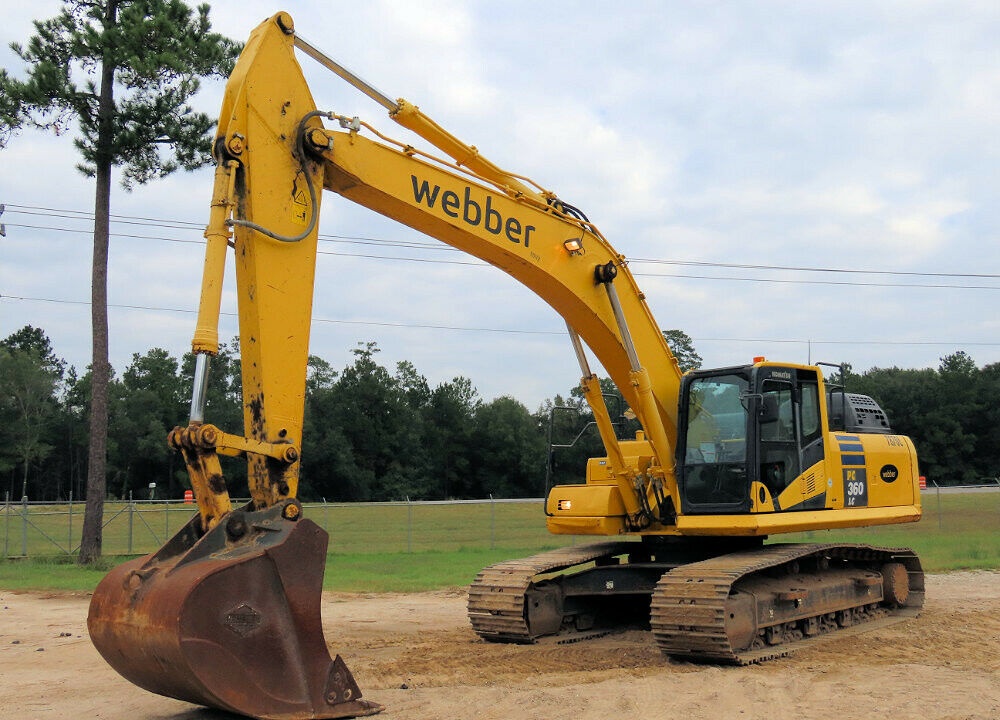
(229, 619)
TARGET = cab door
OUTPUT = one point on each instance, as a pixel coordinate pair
(789, 434)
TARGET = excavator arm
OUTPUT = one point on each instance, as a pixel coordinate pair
(227, 613)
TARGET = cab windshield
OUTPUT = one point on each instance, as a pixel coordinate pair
(716, 440)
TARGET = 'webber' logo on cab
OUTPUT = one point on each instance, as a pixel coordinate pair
(889, 473)
(472, 212)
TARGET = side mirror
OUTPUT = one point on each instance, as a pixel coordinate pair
(837, 404)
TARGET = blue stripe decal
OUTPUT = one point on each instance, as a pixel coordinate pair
(852, 459)
(852, 447)
(848, 438)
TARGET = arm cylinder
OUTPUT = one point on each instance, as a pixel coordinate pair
(199, 392)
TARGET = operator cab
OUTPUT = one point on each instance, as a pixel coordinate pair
(743, 425)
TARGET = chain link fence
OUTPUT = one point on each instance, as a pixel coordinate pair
(137, 527)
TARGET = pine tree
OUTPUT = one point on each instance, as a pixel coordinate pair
(140, 61)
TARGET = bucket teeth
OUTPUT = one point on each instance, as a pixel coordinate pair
(229, 622)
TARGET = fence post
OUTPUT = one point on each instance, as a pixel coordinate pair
(69, 540)
(24, 526)
(131, 510)
(493, 523)
(938, 503)
(166, 519)
(409, 525)
(6, 525)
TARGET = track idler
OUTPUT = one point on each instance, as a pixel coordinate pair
(229, 619)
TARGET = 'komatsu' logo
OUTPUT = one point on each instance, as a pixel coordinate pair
(472, 212)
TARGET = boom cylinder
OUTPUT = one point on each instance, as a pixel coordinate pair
(217, 237)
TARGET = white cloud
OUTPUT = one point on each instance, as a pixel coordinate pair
(848, 135)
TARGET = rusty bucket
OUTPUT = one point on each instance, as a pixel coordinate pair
(229, 619)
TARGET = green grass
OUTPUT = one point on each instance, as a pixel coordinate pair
(400, 548)
(411, 572)
(352, 572)
(55, 529)
(53, 573)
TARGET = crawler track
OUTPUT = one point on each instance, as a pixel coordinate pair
(497, 596)
(690, 616)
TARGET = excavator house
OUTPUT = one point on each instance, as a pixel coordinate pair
(227, 613)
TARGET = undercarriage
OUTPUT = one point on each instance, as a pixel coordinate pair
(705, 600)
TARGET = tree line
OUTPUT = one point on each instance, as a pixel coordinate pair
(374, 433)
(951, 413)
(370, 433)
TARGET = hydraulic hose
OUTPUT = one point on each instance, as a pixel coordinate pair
(313, 215)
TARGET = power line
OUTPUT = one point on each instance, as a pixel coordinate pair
(119, 235)
(510, 331)
(681, 276)
(186, 225)
(372, 323)
(793, 268)
(927, 343)
(853, 283)
(183, 225)
(476, 263)
(124, 219)
(87, 215)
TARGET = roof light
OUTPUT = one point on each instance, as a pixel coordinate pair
(759, 359)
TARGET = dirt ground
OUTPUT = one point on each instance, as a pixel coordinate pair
(416, 655)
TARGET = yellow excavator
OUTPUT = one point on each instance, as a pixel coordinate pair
(227, 613)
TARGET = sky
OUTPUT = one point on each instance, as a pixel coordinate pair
(800, 181)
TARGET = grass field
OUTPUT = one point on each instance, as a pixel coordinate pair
(48, 530)
(405, 548)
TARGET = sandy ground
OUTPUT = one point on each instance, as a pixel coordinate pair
(416, 655)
